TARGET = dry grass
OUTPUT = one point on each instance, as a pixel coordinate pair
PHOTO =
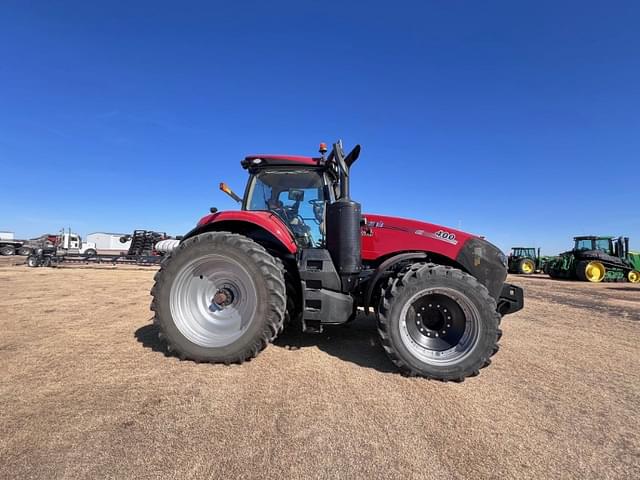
(86, 391)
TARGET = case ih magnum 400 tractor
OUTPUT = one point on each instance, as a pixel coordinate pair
(300, 250)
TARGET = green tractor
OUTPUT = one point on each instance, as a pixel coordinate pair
(525, 260)
(597, 259)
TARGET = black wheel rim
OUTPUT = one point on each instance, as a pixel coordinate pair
(436, 322)
(440, 326)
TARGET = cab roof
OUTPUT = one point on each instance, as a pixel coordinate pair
(253, 161)
(592, 237)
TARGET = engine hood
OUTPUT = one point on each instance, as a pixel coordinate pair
(391, 234)
(384, 236)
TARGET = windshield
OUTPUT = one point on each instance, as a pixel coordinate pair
(584, 244)
(296, 196)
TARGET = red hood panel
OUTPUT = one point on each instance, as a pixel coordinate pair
(387, 235)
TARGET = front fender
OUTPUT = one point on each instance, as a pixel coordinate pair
(239, 221)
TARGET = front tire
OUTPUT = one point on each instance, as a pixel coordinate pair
(438, 322)
(220, 298)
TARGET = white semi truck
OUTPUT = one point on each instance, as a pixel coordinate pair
(72, 243)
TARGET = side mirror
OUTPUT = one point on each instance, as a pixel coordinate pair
(226, 189)
(296, 195)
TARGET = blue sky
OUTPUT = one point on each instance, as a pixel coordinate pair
(516, 120)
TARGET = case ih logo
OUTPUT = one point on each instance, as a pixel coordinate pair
(440, 235)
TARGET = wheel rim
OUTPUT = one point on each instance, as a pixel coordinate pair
(439, 326)
(213, 301)
(634, 277)
(595, 272)
(527, 266)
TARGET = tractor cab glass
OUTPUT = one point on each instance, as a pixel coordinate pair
(523, 252)
(296, 196)
(584, 244)
(604, 245)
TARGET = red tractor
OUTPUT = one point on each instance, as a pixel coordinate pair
(300, 250)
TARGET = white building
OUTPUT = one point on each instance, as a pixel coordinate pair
(6, 236)
(108, 243)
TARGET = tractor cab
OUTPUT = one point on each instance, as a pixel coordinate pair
(592, 243)
(296, 195)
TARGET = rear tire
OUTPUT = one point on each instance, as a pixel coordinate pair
(526, 266)
(24, 251)
(8, 250)
(33, 261)
(438, 322)
(219, 297)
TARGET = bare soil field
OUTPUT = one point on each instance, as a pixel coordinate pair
(87, 391)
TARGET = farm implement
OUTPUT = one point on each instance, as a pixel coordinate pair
(140, 252)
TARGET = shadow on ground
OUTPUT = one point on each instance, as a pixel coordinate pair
(630, 288)
(147, 335)
(356, 342)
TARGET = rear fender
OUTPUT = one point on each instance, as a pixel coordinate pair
(265, 228)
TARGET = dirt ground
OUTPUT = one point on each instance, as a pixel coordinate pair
(86, 391)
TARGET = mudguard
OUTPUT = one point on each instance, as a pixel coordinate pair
(267, 221)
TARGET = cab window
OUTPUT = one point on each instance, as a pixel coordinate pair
(602, 244)
(584, 244)
(296, 196)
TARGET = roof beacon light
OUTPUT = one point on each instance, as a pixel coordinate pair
(322, 150)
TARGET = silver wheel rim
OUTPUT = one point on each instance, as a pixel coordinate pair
(213, 301)
(465, 344)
